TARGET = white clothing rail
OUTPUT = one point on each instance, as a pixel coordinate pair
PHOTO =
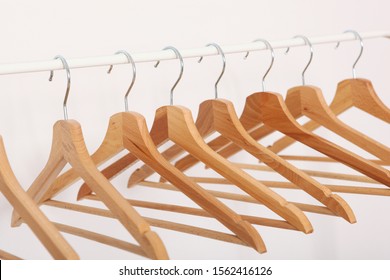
(47, 65)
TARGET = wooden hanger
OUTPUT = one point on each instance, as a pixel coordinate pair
(175, 123)
(274, 113)
(219, 115)
(68, 147)
(354, 92)
(350, 93)
(46, 232)
(128, 130)
(309, 101)
(250, 120)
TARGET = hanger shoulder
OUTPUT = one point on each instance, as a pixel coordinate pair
(53, 167)
(363, 96)
(138, 141)
(182, 131)
(77, 155)
(312, 104)
(46, 232)
(111, 145)
(227, 123)
(275, 113)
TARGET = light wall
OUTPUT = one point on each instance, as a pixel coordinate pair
(29, 105)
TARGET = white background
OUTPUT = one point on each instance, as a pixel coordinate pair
(29, 105)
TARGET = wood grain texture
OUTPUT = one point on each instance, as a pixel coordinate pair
(358, 93)
(45, 231)
(97, 237)
(207, 233)
(68, 146)
(136, 139)
(274, 113)
(176, 123)
(240, 197)
(226, 122)
(183, 131)
(315, 173)
(308, 101)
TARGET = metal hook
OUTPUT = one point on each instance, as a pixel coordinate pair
(307, 42)
(358, 37)
(66, 67)
(179, 56)
(130, 60)
(220, 51)
(268, 45)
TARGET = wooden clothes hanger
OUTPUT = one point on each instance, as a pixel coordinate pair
(175, 123)
(251, 119)
(68, 147)
(275, 113)
(354, 92)
(219, 115)
(128, 131)
(357, 93)
(46, 232)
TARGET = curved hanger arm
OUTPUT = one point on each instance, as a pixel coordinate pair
(46, 232)
(69, 146)
(274, 113)
(183, 131)
(309, 101)
(136, 140)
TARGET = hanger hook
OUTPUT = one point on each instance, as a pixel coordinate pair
(220, 51)
(180, 57)
(66, 67)
(269, 47)
(307, 42)
(129, 60)
(357, 37)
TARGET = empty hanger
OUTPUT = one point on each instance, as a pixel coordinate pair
(275, 116)
(46, 232)
(218, 115)
(68, 147)
(355, 92)
(128, 131)
(175, 123)
(309, 101)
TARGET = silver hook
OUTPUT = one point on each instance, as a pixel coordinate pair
(66, 67)
(179, 56)
(307, 42)
(129, 60)
(220, 51)
(269, 47)
(358, 37)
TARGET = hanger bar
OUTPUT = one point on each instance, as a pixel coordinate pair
(325, 159)
(242, 198)
(314, 173)
(288, 185)
(107, 240)
(200, 212)
(153, 222)
(48, 65)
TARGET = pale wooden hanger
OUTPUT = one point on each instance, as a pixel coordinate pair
(354, 92)
(68, 147)
(46, 232)
(250, 120)
(219, 115)
(308, 101)
(175, 123)
(128, 131)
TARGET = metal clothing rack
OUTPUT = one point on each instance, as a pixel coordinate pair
(52, 64)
